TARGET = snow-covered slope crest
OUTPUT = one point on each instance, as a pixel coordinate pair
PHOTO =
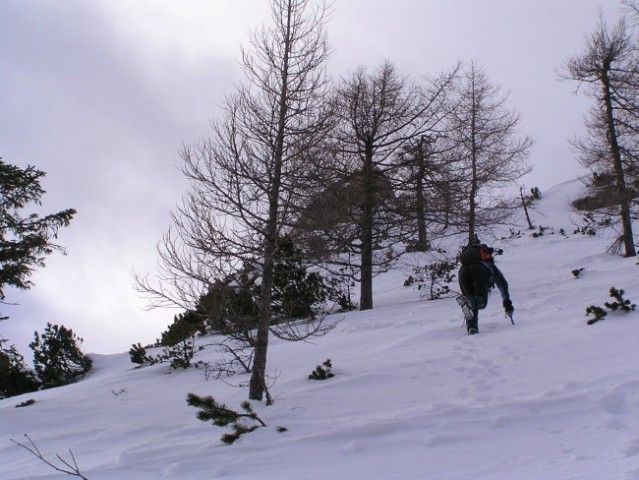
(413, 396)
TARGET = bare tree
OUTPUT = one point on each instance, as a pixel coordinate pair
(488, 151)
(246, 177)
(609, 68)
(417, 162)
(427, 190)
(376, 115)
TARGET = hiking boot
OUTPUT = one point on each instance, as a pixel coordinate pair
(466, 305)
(472, 330)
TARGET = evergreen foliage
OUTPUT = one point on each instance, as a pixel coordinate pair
(179, 355)
(222, 416)
(295, 291)
(57, 357)
(138, 354)
(597, 312)
(231, 304)
(577, 272)
(15, 378)
(26, 403)
(620, 304)
(434, 278)
(535, 194)
(323, 371)
(341, 289)
(184, 326)
(25, 240)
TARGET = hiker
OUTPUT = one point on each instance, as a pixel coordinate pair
(477, 275)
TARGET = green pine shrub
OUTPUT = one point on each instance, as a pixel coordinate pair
(57, 357)
(323, 371)
(597, 312)
(296, 292)
(179, 355)
(433, 278)
(15, 378)
(222, 416)
(620, 304)
(138, 354)
(184, 326)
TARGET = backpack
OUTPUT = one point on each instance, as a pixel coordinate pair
(475, 253)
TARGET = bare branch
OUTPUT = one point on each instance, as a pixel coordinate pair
(70, 467)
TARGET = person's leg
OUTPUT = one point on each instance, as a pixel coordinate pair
(467, 299)
(480, 289)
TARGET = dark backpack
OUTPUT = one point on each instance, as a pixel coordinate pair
(475, 254)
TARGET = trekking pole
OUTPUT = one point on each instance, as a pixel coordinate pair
(510, 315)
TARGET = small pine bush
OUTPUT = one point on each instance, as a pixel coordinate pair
(323, 371)
(541, 231)
(184, 326)
(179, 355)
(597, 312)
(535, 193)
(222, 416)
(15, 378)
(577, 272)
(434, 278)
(296, 292)
(620, 304)
(57, 357)
(138, 354)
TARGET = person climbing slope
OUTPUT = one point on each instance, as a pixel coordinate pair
(478, 274)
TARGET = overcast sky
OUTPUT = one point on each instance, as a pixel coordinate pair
(102, 94)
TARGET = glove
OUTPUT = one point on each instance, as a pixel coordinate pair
(508, 307)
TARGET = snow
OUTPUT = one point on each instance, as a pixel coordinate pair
(413, 397)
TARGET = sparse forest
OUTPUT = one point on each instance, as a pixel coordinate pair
(351, 172)
(309, 186)
(309, 189)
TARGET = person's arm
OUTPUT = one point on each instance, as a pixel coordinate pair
(502, 285)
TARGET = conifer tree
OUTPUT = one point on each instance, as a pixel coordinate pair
(25, 238)
(57, 357)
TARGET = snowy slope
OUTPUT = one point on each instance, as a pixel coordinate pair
(413, 396)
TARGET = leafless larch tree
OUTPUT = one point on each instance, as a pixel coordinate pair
(488, 151)
(609, 69)
(376, 114)
(245, 179)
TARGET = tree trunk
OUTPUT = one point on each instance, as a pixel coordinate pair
(620, 183)
(420, 207)
(523, 204)
(257, 384)
(472, 206)
(368, 187)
